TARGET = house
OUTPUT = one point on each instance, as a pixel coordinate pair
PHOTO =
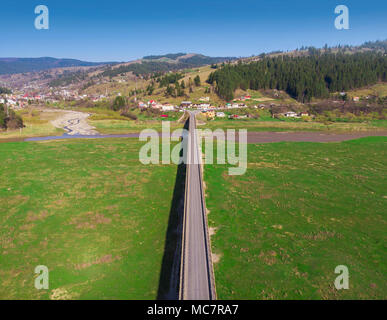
(304, 114)
(204, 99)
(186, 104)
(356, 99)
(290, 114)
(244, 98)
(220, 114)
(167, 107)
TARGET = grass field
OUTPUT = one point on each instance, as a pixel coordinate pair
(90, 212)
(291, 125)
(300, 210)
(378, 90)
(129, 126)
(36, 123)
(111, 122)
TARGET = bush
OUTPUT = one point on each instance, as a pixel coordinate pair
(13, 121)
(129, 115)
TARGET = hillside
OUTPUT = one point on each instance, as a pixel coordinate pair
(22, 65)
(315, 75)
(164, 63)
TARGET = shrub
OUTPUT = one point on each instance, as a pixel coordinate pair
(129, 115)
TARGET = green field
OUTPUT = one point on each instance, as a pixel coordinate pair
(300, 210)
(90, 212)
(37, 124)
(293, 125)
(129, 126)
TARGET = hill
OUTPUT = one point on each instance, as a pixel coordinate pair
(22, 65)
(164, 63)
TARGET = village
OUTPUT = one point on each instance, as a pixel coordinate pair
(18, 101)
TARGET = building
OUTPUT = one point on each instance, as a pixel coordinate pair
(290, 114)
(220, 114)
(167, 107)
(186, 104)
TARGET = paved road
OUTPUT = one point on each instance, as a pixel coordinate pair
(197, 280)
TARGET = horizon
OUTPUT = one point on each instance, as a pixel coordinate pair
(197, 53)
(119, 31)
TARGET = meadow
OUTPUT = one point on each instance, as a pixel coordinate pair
(301, 209)
(291, 125)
(37, 124)
(89, 211)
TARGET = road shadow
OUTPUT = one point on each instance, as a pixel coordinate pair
(170, 269)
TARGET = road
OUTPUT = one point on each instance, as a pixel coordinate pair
(196, 278)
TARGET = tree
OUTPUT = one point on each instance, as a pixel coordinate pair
(169, 91)
(119, 103)
(150, 88)
(2, 117)
(197, 81)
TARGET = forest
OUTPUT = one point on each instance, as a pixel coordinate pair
(303, 78)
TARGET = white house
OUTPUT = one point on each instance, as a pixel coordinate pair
(290, 114)
(167, 107)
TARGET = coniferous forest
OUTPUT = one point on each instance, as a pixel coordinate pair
(315, 75)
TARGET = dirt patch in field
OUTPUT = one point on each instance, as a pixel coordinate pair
(31, 216)
(90, 220)
(212, 231)
(268, 257)
(216, 257)
(102, 260)
(61, 294)
(321, 235)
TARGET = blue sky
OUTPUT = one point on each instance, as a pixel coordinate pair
(125, 30)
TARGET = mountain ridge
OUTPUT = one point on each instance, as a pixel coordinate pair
(13, 65)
